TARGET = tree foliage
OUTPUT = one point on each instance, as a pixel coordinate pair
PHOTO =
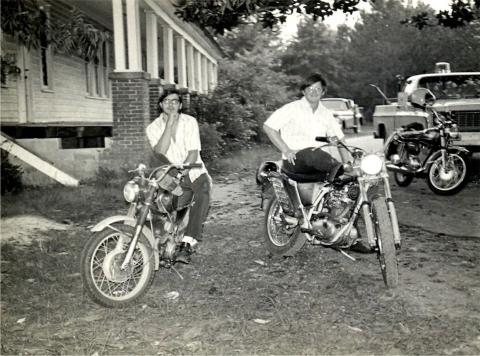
(221, 15)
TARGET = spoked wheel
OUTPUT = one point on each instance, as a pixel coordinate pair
(387, 254)
(403, 180)
(104, 280)
(448, 179)
(281, 239)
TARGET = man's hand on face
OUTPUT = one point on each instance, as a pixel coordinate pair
(290, 156)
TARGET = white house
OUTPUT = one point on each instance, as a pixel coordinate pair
(76, 114)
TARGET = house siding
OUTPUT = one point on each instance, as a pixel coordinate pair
(9, 91)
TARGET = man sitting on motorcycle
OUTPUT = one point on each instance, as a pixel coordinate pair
(293, 128)
(174, 138)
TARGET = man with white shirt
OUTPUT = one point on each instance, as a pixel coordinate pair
(293, 128)
(175, 138)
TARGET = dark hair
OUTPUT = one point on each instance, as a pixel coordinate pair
(312, 79)
(167, 92)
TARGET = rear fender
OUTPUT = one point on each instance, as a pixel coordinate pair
(127, 220)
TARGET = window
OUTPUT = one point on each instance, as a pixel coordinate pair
(453, 86)
(45, 64)
(96, 73)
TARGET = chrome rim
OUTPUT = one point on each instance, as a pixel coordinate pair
(453, 174)
(108, 278)
(279, 234)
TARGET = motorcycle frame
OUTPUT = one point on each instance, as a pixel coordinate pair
(362, 202)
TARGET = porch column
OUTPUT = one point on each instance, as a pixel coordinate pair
(152, 44)
(204, 74)
(198, 71)
(133, 36)
(191, 67)
(211, 76)
(118, 35)
(181, 62)
(168, 54)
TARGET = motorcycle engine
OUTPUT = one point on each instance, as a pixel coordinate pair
(335, 212)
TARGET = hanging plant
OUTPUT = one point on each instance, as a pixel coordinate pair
(9, 66)
(33, 28)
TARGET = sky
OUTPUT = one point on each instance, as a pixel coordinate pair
(290, 27)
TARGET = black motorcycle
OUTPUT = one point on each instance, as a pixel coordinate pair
(428, 153)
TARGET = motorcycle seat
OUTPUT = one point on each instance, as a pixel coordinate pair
(306, 177)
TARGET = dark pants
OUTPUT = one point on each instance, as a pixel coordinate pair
(201, 203)
(314, 160)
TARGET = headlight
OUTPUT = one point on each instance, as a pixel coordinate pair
(371, 164)
(130, 191)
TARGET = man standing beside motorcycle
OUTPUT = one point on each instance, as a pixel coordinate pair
(293, 128)
(175, 137)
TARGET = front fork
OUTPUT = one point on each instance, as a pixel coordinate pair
(142, 217)
(366, 210)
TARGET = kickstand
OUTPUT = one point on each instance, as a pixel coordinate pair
(347, 255)
(176, 271)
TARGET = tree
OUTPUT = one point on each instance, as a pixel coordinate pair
(221, 15)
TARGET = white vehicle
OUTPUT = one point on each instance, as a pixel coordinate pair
(345, 111)
(457, 97)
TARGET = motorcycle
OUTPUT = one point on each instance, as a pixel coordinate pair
(305, 208)
(428, 153)
(119, 259)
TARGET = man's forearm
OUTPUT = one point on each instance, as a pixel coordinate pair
(276, 139)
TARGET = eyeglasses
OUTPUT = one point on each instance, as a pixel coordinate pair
(314, 90)
(171, 101)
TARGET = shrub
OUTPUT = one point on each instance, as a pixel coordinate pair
(11, 175)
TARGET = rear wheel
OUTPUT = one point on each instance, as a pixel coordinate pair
(403, 180)
(281, 239)
(104, 281)
(387, 254)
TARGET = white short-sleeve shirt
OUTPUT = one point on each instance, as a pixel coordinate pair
(299, 125)
(186, 138)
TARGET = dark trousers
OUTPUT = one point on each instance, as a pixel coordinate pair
(201, 203)
(313, 160)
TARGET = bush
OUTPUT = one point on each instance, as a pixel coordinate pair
(11, 175)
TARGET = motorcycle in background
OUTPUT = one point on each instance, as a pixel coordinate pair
(428, 153)
(308, 208)
(119, 259)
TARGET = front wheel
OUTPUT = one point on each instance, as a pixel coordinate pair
(387, 254)
(281, 239)
(450, 178)
(403, 180)
(103, 279)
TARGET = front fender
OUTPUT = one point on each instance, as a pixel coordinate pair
(128, 220)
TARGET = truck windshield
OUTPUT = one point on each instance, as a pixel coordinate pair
(452, 86)
(335, 104)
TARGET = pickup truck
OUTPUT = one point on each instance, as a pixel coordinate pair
(457, 94)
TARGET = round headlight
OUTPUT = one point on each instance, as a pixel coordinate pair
(130, 191)
(371, 164)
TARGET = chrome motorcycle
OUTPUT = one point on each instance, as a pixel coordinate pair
(310, 209)
(119, 259)
(428, 153)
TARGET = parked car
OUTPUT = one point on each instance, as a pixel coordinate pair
(457, 96)
(345, 111)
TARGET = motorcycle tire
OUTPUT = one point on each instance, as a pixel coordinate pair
(387, 254)
(294, 239)
(104, 281)
(403, 180)
(461, 174)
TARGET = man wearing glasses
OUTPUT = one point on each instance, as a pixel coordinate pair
(293, 128)
(174, 136)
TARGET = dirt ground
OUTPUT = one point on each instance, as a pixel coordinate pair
(233, 299)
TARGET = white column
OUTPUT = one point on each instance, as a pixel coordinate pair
(211, 76)
(152, 44)
(205, 74)
(168, 54)
(118, 35)
(191, 67)
(198, 71)
(133, 36)
(181, 62)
